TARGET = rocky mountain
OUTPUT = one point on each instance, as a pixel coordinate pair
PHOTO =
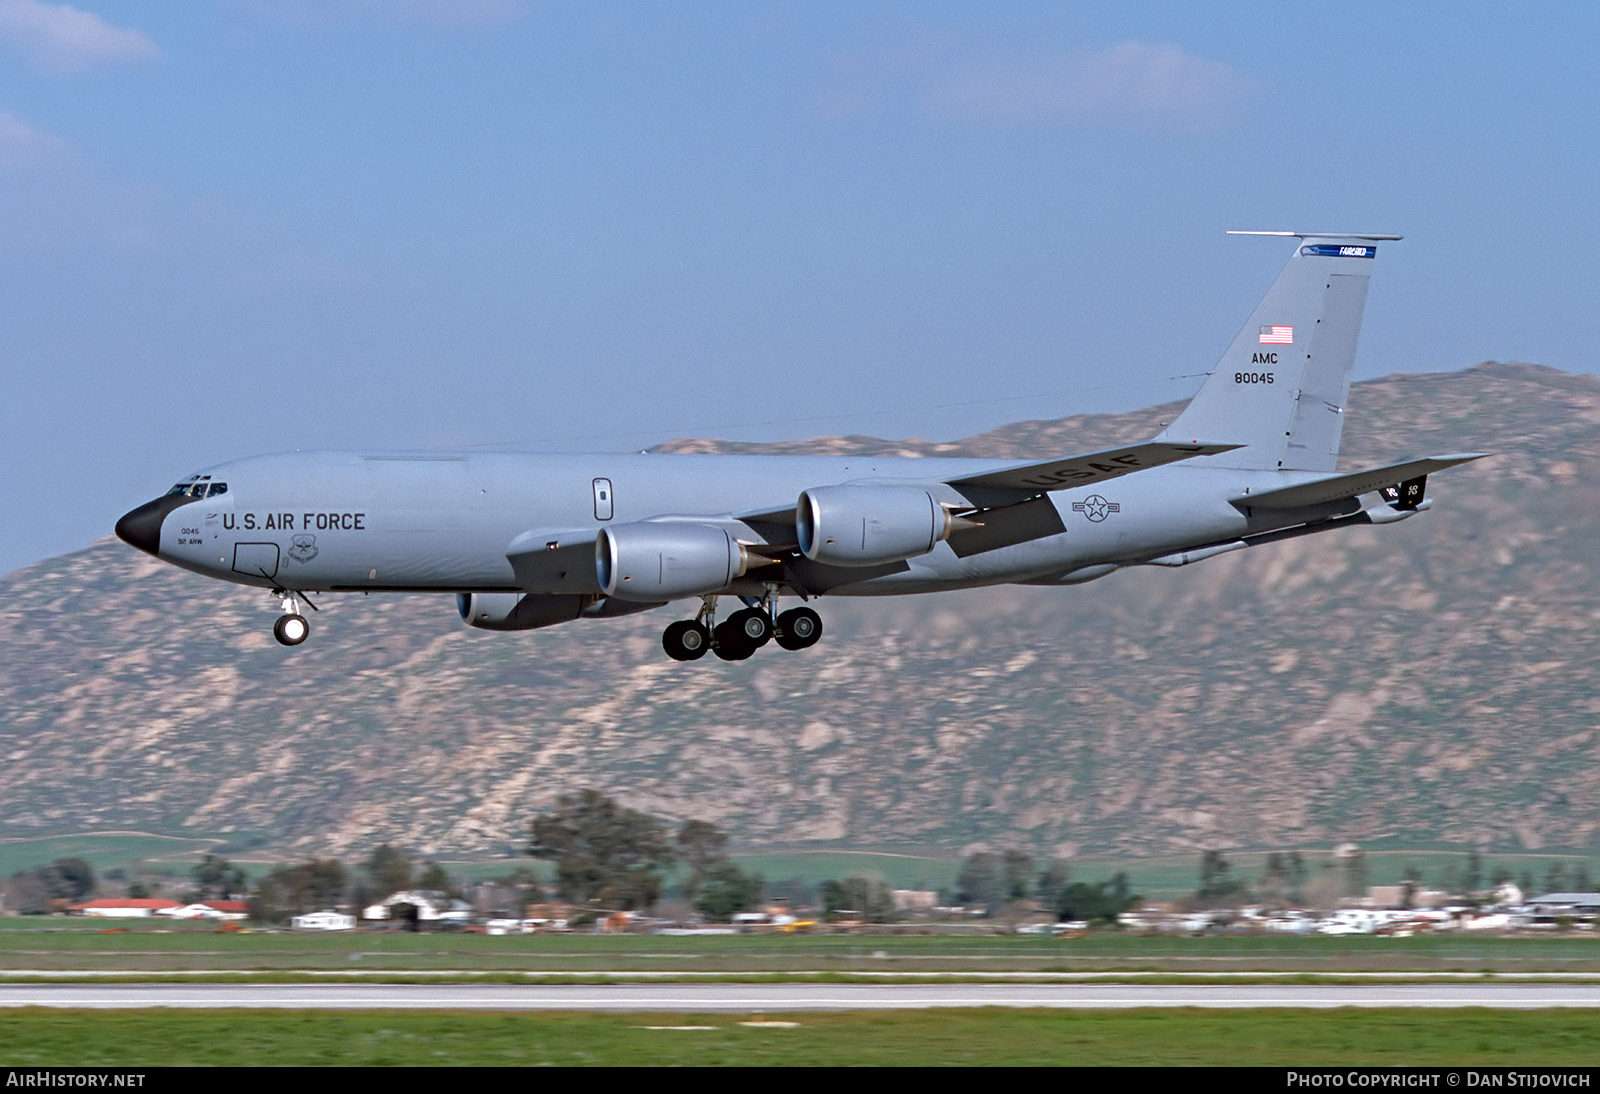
(1431, 683)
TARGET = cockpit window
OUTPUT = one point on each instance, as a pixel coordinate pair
(197, 486)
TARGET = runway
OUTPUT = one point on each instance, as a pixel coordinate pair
(726, 998)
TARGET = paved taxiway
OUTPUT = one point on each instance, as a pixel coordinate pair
(753, 998)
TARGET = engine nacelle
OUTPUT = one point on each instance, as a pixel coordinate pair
(517, 612)
(666, 560)
(869, 524)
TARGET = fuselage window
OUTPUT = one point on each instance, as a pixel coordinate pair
(218, 488)
(198, 490)
(180, 488)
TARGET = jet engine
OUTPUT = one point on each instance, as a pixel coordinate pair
(516, 612)
(870, 524)
(666, 560)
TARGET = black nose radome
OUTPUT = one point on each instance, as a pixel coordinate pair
(141, 527)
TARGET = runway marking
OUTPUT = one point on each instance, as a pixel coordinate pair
(804, 975)
(760, 999)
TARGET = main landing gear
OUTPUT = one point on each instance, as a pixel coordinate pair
(743, 632)
(291, 628)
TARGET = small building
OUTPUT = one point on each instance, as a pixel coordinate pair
(209, 909)
(125, 907)
(323, 921)
(918, 901)
(1360, 920)
(413, 906)
(1547, 909)
(1508, 895)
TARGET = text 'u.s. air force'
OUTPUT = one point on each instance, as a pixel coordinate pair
(285, 522)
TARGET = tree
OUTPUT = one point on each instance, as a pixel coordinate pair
(436, 879)
(1052, 881)
(389, 869)
(605, 855)
(53, 887)
(218, 879)
(1274, 881)
(1296, 872)
(28, 893)
(1217, 883)
(69, 879)
(1101, 902)
(982, 881)
(1016, 875)
(525, 882)
(701, 845)
(728, 889)
(869, 899)
(294, 890)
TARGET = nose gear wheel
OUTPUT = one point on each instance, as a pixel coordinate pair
(291, 630)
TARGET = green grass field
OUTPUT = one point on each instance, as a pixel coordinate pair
(986, 1037)
(103, 851)
(71, 943)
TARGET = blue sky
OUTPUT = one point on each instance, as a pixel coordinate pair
(249, 225)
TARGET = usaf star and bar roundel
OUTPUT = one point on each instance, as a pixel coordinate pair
(1096, 508)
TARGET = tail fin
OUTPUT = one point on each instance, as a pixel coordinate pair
(1280, 389)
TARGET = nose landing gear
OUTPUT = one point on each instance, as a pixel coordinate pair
(291, 628)
(742, 633)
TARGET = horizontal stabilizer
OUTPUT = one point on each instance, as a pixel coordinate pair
(1075, 471)
(1353, 484)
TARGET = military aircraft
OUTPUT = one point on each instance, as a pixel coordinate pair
(527, 540)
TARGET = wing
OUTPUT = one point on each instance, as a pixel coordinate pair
(1021, 482)
(1024, 480)
(1352, 484)
(1009, 504)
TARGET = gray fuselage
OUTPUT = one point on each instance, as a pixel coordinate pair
(445, 522)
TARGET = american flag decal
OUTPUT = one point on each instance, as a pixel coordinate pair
(1277, 336)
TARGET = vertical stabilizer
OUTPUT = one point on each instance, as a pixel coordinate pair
(1280, 389)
